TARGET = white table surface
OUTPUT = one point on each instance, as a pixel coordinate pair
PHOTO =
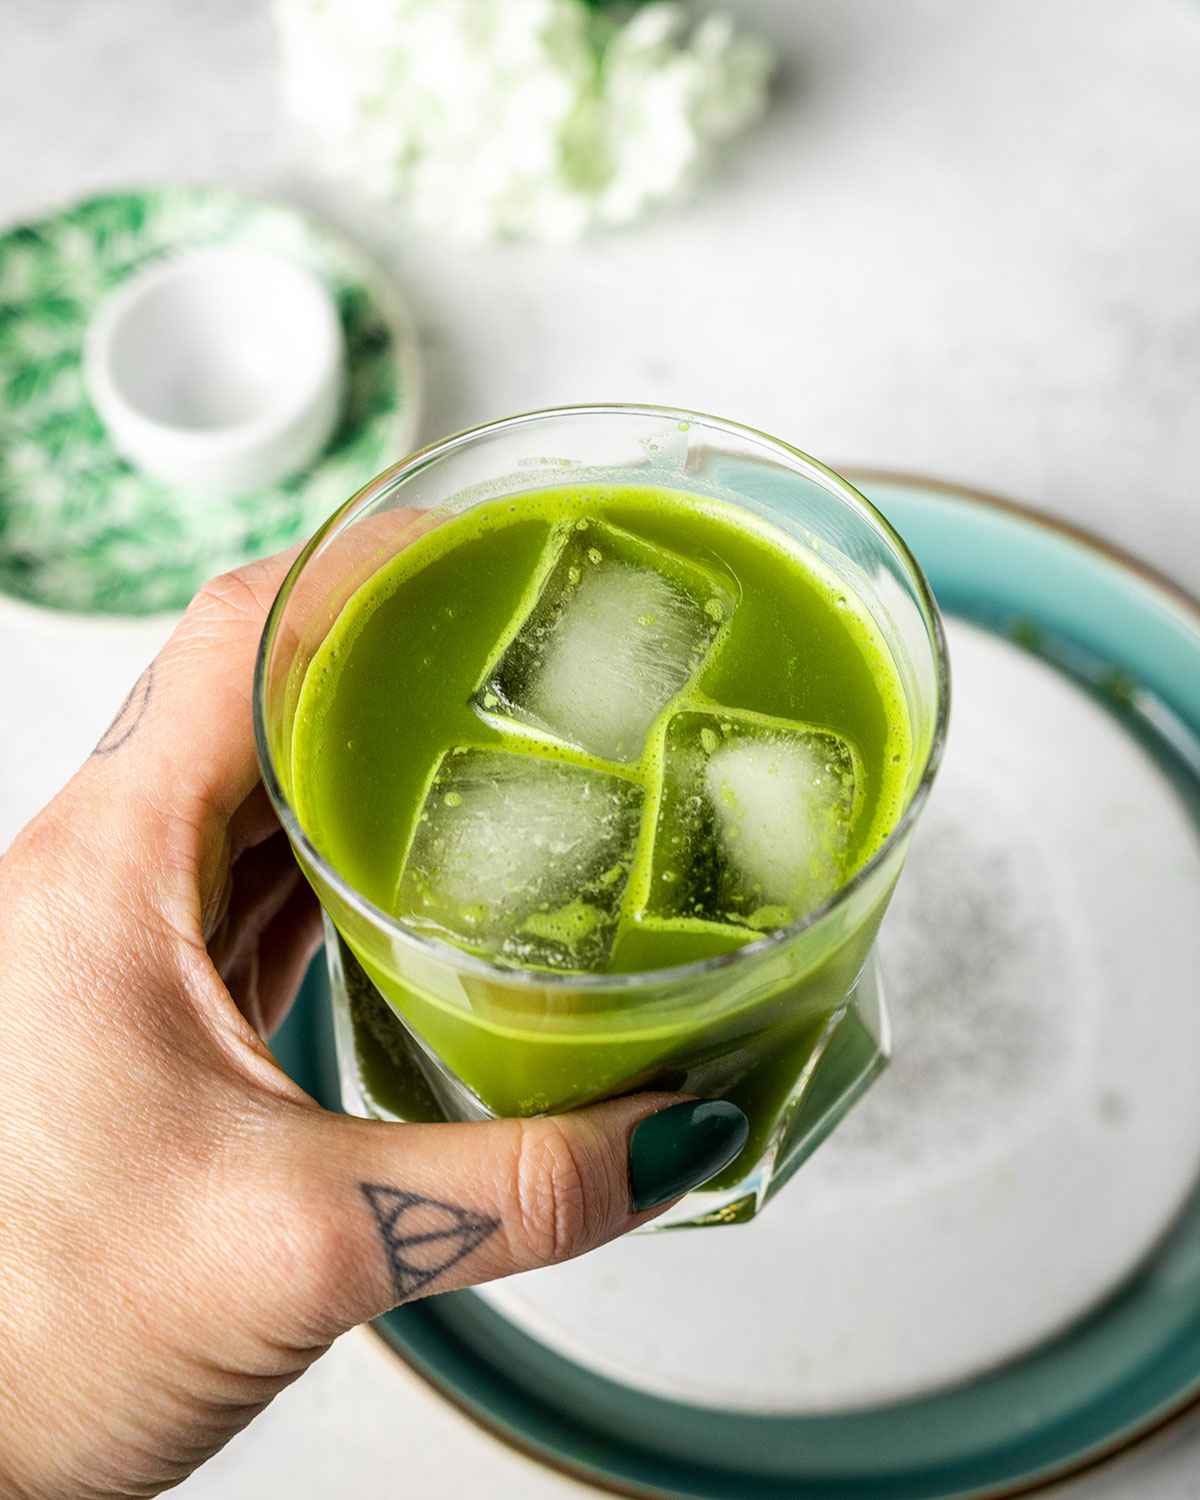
(965, 242)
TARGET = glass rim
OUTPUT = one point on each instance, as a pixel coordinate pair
(433, 947)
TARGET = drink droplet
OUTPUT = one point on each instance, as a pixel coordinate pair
(709, 740)
(595, 555)
(715, 610)
(453, 799)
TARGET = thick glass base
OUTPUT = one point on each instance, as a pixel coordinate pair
(385, 1072)
(851, 1053)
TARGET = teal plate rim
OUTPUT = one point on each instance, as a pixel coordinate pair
(1132, 635)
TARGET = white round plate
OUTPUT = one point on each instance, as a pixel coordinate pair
(1039, 1126)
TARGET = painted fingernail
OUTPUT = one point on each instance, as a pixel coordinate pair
(679, 1148)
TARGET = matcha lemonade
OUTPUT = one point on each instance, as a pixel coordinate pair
(600, 730)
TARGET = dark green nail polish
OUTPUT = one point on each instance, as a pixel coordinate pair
(679, 1148)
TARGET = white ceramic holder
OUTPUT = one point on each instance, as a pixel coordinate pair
(218, 371)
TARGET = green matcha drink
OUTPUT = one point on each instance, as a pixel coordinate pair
(601, 730)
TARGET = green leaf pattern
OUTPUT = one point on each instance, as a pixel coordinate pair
(79, 528)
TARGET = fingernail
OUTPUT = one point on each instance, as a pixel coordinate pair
(679, 1148)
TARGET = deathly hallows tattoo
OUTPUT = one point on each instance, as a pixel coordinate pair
(129, 715)
(418, 1256)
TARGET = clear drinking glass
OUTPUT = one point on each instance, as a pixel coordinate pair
(791, 1027)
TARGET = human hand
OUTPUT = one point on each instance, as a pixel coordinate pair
(182, 1229)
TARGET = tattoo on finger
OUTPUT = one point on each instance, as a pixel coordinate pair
(128, 716)
(423, 1238)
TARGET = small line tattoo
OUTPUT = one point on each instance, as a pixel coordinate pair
(460, 1232)
(128, 716)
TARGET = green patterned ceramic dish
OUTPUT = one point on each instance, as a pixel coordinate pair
(82, 531)
(1042, 616)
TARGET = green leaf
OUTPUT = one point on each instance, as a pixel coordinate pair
(76, 427)
(35, 379)
(102, 218)
(23, 385)
(54, 308)
(353, 305)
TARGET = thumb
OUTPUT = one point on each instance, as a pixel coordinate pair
(396, 1212)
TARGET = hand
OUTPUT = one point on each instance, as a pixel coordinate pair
(183, 1230)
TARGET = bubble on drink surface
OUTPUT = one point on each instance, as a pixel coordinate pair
(754, 821)
(521, 859)
(619, 628)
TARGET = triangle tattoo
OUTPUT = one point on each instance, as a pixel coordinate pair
(395, 1210)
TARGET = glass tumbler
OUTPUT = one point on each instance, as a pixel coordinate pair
(792, 1027)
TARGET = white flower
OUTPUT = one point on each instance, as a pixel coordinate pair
(519, 117)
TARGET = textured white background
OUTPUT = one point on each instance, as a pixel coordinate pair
(965, 242)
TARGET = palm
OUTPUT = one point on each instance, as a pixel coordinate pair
(264, 926)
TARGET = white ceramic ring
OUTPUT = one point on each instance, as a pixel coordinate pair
(219, 371)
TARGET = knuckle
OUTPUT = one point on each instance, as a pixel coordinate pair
(553, 1209)
(234, 596)
(42, 863)
(41, 845)
(317, 1255)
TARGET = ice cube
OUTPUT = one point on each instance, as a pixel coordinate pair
(754, 820)
(521, 858)
(619, 627)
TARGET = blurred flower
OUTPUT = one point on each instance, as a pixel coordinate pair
(536, 118)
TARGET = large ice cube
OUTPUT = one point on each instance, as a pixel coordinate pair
(754, 820)
(619, 627)
(521, 858)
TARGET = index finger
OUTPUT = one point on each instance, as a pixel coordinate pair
(181, 747)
